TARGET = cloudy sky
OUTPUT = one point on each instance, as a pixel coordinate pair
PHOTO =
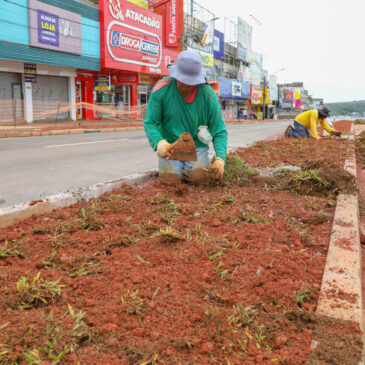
(319, 42)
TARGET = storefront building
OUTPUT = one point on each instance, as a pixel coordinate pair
(234, 95)
(42, 44)
(137, 45)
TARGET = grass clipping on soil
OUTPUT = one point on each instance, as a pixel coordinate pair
(320, 178)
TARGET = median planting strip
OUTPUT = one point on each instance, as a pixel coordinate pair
(225, 273)
(17, 213)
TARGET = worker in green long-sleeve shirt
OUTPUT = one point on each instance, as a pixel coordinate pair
(184, 102)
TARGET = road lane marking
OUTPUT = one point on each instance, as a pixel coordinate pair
(81, 143)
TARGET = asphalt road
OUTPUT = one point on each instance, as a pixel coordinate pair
(36, 167)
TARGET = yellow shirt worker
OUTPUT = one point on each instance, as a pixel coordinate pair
(305, 124)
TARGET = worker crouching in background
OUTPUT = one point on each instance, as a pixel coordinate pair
(184, 102)
(305, 124)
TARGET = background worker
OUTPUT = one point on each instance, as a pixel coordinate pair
(305, 124)
(184, 102)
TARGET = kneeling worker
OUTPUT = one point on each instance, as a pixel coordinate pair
(305, 124)
(184, 102)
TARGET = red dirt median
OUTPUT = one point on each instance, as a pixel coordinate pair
(172, 275)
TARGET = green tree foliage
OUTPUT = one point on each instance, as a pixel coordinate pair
(346, 108)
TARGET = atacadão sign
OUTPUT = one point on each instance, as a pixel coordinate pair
(131, 38)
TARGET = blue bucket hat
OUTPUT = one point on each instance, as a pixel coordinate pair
(188, 69)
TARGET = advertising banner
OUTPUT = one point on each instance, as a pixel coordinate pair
(153, 3)
(245, 90)
(131, 39)
(218, 46)
(267, 96)
(244, 39)
(171, 24)
(206, 53)
(54, 28)
(30, 72)
(102, 83)
(255, 93)
(289, 96)
(236, 89)
(125, 79)
(255, 70)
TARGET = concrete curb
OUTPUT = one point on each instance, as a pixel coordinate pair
(39, 133)
(66, 132)
(341, 290)
(17, 213)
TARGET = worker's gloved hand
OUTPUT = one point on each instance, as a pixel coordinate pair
(218, 168)
(336, 133)
(163, 149)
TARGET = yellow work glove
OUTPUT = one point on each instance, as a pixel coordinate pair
(218, 167)
(163, 149)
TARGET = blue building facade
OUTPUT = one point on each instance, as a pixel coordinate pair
(42, 45)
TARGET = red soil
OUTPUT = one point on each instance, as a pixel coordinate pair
(293, 151)
(172, 275)
(343, 125)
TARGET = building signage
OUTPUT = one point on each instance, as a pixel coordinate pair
(48, 28)
(54, 28)
(289, 96)
(125, 79)
(218, 46)
(171, 24)
(255, 93)
(30, 72)
(102, 83)
(236, 89)
(244, 39)
(154, 3)
(131, 38)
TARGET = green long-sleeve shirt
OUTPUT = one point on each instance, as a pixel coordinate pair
(169, 114)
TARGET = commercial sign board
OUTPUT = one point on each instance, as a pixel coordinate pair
(131, 38)
(102, 83)
(54, 28)
(233, 89)
(171, 26)
(206, 53)
(125, 79)
(218, 45)
(236, 89)
(255, 69)
(30, 72)
(255, 93)
(244, 39)
(289, 96)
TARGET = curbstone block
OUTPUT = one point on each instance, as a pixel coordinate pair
(17, 213)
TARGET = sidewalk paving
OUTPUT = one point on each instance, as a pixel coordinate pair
(37, 129)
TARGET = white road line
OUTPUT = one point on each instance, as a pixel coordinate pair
(81, 143)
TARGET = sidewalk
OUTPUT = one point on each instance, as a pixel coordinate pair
(37, 129)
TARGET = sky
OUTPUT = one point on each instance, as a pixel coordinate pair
(318, 42)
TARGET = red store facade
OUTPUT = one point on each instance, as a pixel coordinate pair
(137, 45)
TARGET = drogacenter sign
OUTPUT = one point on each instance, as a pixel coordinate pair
(131, 37)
